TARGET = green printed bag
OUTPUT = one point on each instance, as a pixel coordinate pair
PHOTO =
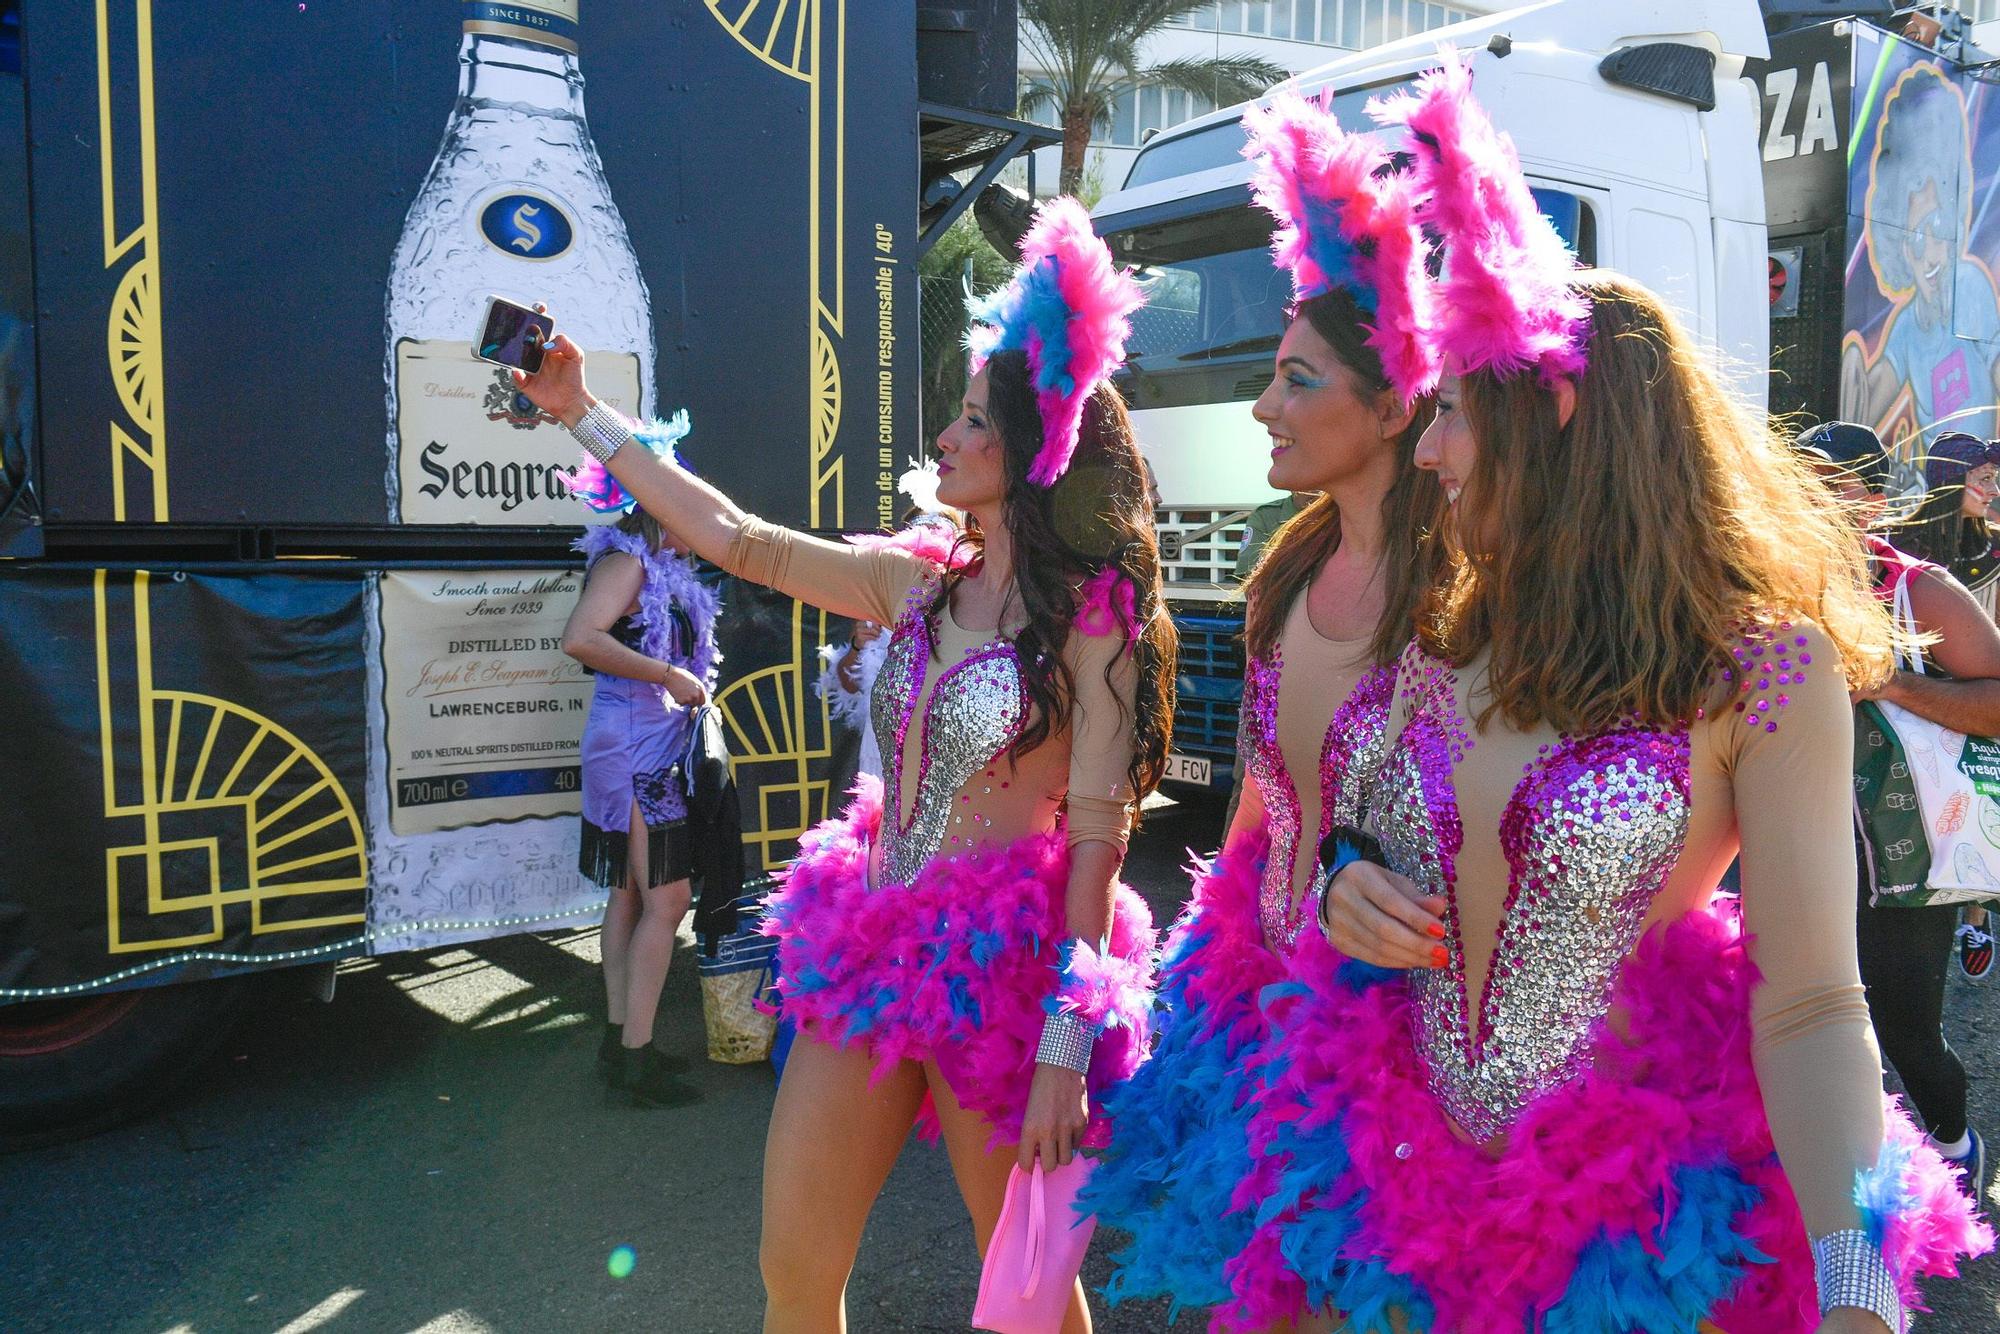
(1928, 801)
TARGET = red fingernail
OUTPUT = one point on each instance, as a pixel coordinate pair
(1436, 929)
(1439, 956)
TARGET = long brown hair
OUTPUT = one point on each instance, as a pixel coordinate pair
(1095, 516)
(1410, 510)
(644, 527)
(1640, 540)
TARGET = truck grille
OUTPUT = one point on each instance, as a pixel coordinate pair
(1209, 688)
(1202, 593)
(1209, 561)
(1211, 645)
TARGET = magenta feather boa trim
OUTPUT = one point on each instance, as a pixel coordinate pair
(1068, 308)
(1235, 963)
(1100, 987)
(592, 483)
(932, 538)
(1506, 302)
(955, 967)
(1178, 1151)
(1359, 1156)
(1346, 220)
(1916, 1205)
(1107, 605)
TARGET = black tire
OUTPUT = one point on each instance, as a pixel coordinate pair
(70, 1068)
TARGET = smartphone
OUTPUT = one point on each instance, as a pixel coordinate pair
(513, 335)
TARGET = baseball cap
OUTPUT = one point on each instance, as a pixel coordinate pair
(1850, 447)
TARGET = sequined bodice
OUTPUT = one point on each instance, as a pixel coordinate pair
(974, 714)
(1590, 835)
(1356, 737)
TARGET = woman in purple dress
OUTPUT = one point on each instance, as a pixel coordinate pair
(645, 626)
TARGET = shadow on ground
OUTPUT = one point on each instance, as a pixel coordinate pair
(432, 1152)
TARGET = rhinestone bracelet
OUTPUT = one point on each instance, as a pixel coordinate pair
(1342, 847)
(1067, 1042)
(1850, 1272)
(601, 432)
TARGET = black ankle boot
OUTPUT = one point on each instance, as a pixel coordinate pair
(613, 1042)
(648, 1077)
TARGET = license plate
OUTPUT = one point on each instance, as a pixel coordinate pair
(1190, 769)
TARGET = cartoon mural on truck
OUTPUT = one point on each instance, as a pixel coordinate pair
(1921, 351)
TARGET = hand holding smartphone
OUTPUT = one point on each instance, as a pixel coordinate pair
(513, 335)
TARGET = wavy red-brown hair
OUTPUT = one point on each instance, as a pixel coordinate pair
(1638, 542)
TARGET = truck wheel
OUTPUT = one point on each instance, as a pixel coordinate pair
(73, 1067)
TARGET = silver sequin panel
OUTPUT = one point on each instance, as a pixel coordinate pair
(975, 713)
(1416, 845)
(1360, 735)
(1357, 737)
(1590, 836)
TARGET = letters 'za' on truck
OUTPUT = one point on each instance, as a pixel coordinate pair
(1816, 205)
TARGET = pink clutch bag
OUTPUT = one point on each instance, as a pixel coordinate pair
(1036, 1252)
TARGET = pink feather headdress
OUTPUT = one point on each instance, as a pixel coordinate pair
(1505, 302)
(1346, 220)
(592, 483)
(1067, 308)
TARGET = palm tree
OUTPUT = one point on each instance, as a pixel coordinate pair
(1088, 51)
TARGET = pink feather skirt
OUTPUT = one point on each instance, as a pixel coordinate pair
(1174, 1171)
(1645, 1193)
(957, 968)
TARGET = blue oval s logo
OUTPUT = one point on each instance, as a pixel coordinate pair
(526, 226)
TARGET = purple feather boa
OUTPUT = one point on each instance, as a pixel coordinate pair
(670, 581)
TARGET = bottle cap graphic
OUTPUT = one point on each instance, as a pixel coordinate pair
(547, 22)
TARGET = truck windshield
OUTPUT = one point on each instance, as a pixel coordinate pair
(1217, 145)
(1220, 144)
(1211, 289)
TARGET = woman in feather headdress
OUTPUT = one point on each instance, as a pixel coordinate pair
(1329, 609)
(957, 948)
(1564, 1085)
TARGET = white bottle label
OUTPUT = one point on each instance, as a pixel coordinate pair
(485, 712)
(472, 450)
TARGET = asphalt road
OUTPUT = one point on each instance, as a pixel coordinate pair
(432, 1152)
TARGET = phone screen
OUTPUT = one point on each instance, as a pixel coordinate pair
(514, 336)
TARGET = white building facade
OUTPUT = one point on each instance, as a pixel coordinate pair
(1985, 16)
(1296, 35)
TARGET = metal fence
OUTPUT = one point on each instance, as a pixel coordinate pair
(941, 336)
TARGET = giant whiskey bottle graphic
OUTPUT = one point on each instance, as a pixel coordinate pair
(514, 205)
